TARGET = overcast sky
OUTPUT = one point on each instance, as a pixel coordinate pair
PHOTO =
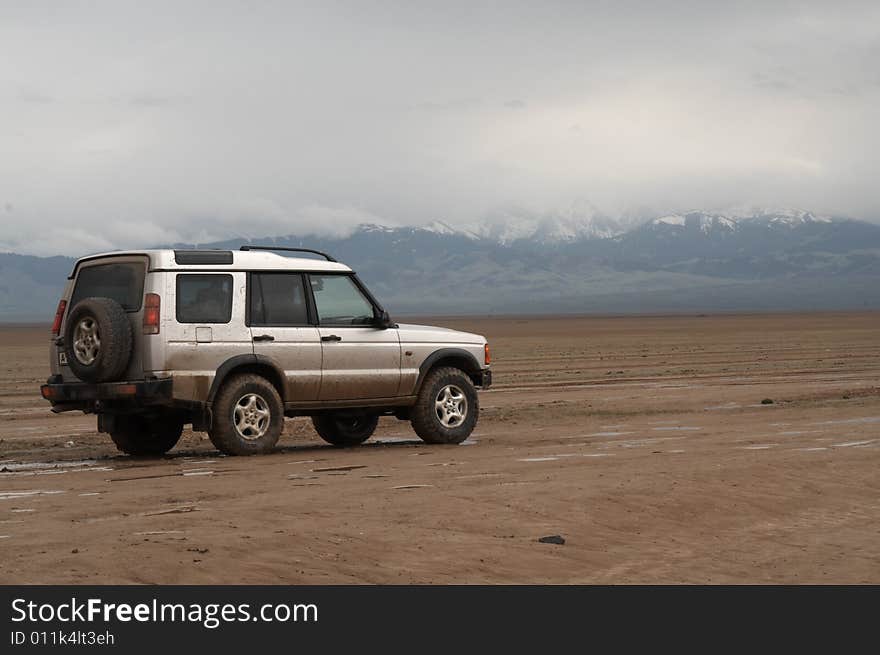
(132, 123)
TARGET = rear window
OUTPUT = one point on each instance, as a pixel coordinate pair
(204, 298)
(124, 283)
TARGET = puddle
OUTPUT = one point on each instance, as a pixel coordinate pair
(34, 466)
(469, 442)
(761, 447)
(848, 444)
(677, 428)
(724, 406)
(91, 493)
(538, 459)
(814, 449)
(610, 434)
(850, 421)
(13, 495)
(157, 532)
(198, 473)
(635, 443)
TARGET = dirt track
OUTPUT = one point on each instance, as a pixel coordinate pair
(642, 441)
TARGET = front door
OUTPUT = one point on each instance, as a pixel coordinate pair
(360, 361)
(279, 322)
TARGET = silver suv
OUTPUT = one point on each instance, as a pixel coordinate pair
(233, 341)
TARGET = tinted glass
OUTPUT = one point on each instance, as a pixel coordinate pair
(124, 283)
(204, 298)
(278, 299)
(339, 301)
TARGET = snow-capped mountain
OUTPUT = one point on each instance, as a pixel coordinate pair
(584, 222)
(731, 221)
(705, 223)
(578, 261)
(581, 221)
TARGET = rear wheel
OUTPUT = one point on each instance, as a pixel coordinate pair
(248, 416)
(447, 407)
(345, 429)
(146, 436)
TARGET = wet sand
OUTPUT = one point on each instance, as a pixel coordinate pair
(642, 441)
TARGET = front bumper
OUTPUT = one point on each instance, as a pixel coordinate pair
(66, 396)
(484, 379)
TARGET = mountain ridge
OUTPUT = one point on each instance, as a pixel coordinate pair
(694, 260)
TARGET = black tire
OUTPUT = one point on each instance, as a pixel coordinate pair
(146, 436)
(106, 356)
(344, 430)
(231, 410)
(426, 420)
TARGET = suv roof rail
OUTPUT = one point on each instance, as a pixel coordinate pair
(314, 252)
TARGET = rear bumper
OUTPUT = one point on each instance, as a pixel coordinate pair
(82, 395)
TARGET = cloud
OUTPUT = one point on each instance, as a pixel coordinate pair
(126, 124)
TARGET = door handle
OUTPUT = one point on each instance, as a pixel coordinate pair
(264, 337)
(331, 337)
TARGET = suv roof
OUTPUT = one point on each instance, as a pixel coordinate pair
(252, 260)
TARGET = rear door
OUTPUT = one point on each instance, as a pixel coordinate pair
(282, 330)
(360, 361)
(121, 278)
(204, 328)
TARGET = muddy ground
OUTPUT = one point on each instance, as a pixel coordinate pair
(643, 442)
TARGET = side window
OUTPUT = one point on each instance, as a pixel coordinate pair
(339, 301)
(277, 299)
(204, 298)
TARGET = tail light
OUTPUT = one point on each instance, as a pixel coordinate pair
(487, 357)
(59, 316)
(152, 313)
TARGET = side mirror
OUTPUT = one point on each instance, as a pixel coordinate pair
(383, 321)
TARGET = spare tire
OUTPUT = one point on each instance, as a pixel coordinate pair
(98, 340)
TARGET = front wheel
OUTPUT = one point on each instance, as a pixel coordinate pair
(447, 407)
(146, 436)
(345, 430)
(248, 416)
